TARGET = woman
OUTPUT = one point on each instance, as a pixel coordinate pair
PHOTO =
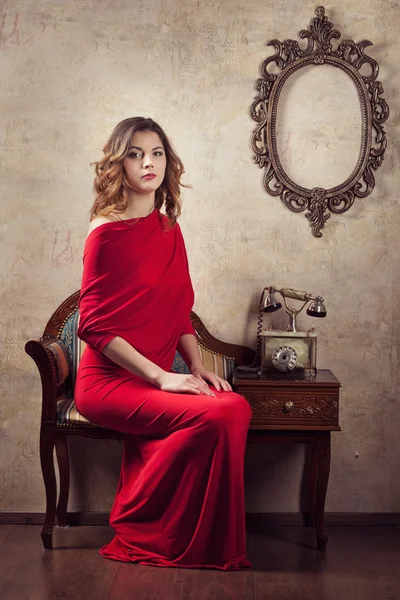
(180, 498)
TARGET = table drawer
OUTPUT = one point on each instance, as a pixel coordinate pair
(294, 408)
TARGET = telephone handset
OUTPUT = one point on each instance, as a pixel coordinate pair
(288, 351)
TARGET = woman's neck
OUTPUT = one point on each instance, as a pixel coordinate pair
(139, 205)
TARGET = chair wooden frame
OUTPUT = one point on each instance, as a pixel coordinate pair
(54, 435)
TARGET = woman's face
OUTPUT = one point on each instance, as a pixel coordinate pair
(146, 159)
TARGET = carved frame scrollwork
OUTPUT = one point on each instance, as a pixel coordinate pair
(289, 57)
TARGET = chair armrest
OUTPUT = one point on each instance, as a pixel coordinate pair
(242, 355)
(51, 358)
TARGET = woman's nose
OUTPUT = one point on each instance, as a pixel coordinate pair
(147, 161)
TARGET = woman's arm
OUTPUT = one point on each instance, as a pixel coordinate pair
(188, 348)
(123, 354)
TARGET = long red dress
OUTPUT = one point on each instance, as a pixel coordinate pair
(180, 496)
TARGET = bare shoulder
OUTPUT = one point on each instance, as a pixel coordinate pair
(100, 220)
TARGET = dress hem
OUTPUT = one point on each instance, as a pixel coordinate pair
(232, 565)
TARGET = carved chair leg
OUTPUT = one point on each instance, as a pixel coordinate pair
(47, 441)
(63, 467)
(324, 463)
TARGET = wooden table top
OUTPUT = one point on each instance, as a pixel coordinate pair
(323, 377)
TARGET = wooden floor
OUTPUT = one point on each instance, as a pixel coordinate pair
(361, 563)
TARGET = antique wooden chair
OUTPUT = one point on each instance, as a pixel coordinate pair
(57, 355)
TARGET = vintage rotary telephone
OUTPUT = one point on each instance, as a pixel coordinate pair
(289, 351)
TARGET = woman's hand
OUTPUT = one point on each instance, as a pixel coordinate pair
(182, 384)
(201, 374)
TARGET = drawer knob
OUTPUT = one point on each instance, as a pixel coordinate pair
(289, 405)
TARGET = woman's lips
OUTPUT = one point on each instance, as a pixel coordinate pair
(149, 176)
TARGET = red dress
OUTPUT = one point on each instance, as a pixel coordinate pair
(180, 496)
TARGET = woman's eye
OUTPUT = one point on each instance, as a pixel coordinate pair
(139, 154)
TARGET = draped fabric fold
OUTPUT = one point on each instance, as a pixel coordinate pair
(180, 496)
(136, 284)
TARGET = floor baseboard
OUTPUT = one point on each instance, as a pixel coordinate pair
(332, 519)
(259, 520)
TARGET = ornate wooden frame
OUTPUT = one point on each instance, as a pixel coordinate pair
(289, 57)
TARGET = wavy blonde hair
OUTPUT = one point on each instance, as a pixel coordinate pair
(109, 183)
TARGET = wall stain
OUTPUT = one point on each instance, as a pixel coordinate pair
(62, 252)
(13, 36)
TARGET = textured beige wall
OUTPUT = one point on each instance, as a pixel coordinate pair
(70, 72)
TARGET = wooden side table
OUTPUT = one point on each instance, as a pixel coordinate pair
(299, 409)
